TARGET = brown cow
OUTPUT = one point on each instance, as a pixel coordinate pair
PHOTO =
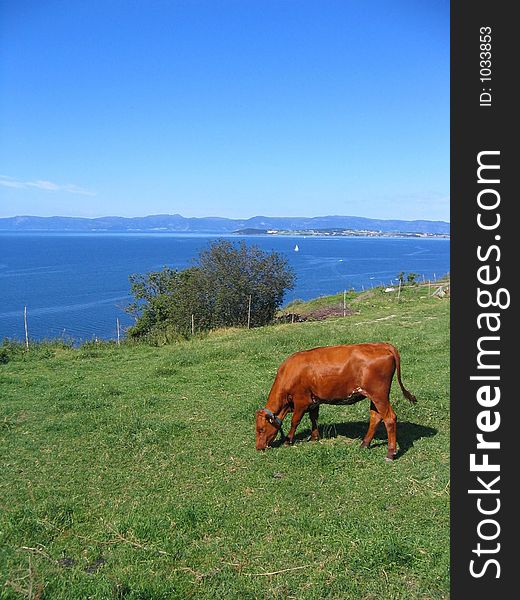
(333, 375)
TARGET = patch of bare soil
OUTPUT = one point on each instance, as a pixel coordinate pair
(318, 314)
(329, 311)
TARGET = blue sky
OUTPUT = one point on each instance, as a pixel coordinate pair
(225, 107)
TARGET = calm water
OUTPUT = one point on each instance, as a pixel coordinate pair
(76, 285)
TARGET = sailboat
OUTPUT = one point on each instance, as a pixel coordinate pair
(296, 249)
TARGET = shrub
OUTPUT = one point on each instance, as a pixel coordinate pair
(216, 291)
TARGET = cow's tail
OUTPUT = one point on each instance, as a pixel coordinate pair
(397, 359)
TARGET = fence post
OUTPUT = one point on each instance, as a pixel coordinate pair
(118, 340)
(344, 303)
(399, 292)
(26, 329)
(249, 313)
(192, 324)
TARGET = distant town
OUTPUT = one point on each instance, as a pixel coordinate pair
(340, 232)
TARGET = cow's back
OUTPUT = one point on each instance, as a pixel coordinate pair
(331, 371)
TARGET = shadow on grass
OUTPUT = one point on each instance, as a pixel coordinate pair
(407, 433)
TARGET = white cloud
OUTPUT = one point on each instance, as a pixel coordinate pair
(42, 184)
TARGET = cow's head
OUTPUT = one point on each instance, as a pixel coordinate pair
(267, 426)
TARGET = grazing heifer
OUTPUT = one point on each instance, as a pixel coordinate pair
(333, 375)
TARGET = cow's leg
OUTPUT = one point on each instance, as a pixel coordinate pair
(298, 413)
(313, 414)
(375, 419)
(384, 409)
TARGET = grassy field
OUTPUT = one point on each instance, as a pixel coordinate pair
(130, 472)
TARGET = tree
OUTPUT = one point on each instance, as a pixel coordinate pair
(216, 291)
(235, 272)
(165, 300)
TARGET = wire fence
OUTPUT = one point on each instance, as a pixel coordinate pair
(439, 288)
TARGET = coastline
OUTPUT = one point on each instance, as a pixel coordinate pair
(343, 233)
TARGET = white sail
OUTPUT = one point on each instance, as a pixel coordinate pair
(296, 249)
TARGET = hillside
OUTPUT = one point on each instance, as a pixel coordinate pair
(178, 223)
(130, 472)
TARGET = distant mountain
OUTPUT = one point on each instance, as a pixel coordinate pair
(180, 224)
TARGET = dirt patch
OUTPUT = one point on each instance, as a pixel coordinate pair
(329, 311)
(290, 318)
(95, 566)
(318, 314)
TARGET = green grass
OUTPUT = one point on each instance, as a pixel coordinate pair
(306, 308)
(130, 472)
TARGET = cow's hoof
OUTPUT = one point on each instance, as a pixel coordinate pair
(364, 445)
(390, 457)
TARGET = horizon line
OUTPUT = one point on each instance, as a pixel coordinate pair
(220, 217)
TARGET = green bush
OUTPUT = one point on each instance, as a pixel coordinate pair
(215, 293)
(10, 350)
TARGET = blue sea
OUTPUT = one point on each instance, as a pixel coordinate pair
(75, 286)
